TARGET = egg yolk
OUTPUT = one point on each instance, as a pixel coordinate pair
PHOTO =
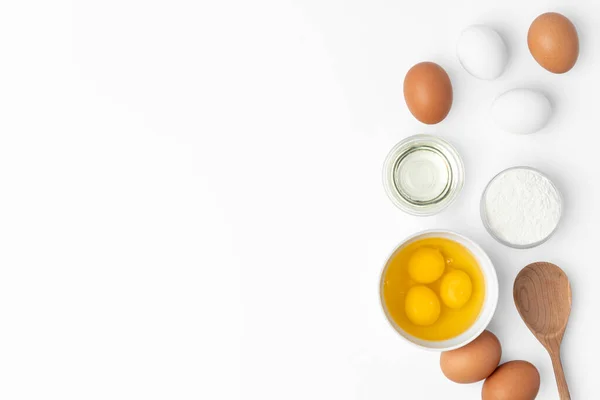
(456, 289)
(396, 283)
(422, 306)
(426, 265)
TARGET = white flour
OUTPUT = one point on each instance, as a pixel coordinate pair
(522, 206)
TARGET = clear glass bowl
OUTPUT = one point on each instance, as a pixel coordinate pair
(423, 174)
(486, 222)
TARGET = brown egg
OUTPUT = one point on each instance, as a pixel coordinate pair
(553, 42)
(428, 92)
(473, 362)
(514, 380)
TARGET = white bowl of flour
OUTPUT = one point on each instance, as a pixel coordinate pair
(521, 207)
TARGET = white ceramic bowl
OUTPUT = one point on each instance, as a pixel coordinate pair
(489, 303)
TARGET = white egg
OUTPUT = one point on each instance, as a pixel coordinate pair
(482, 52)
(521, 111)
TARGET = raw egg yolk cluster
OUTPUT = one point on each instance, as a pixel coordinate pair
(422, 305)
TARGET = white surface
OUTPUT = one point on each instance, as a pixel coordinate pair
(489, 305)
(192, 203)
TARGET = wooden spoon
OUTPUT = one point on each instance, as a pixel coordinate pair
(542, 295)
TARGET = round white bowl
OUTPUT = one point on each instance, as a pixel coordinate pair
(489, 303)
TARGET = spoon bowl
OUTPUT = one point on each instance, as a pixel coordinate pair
(542, 295)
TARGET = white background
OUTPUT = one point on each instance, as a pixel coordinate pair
(191, 203)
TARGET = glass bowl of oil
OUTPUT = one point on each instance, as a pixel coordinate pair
(423, 175)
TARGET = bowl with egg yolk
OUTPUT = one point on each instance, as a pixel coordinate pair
(439, 290)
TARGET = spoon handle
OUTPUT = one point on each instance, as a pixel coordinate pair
(561, 381)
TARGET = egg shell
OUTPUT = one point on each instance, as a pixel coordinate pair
(482, 52)
(553, 42)
(428, 92)
(514, 380)
(473, 362)
(521, 111)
